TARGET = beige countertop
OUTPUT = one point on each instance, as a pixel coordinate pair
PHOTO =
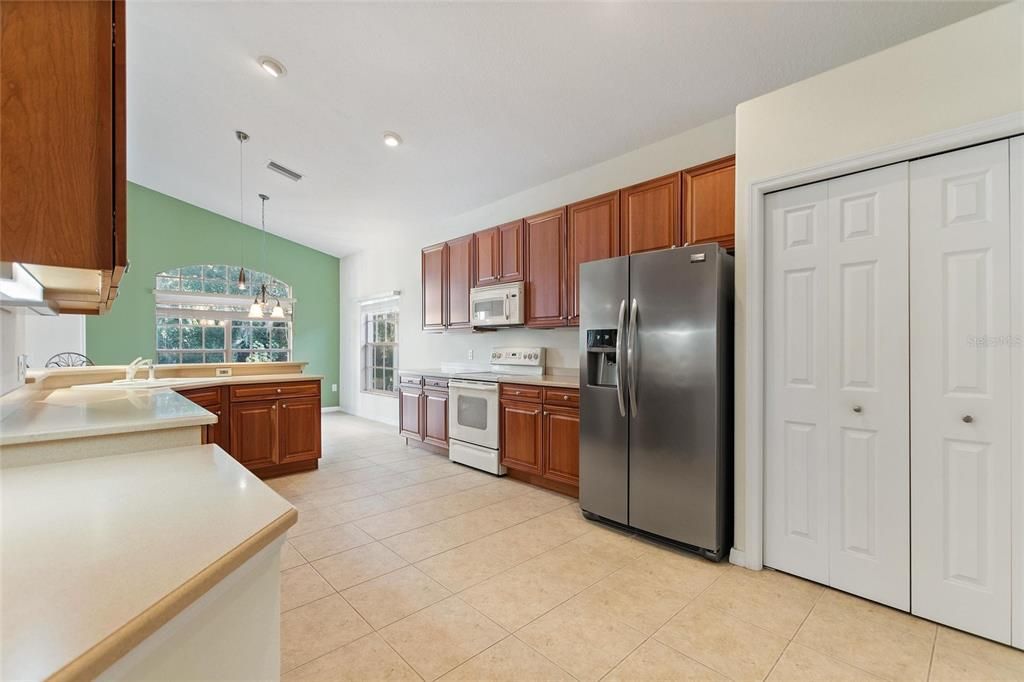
(78, 413)
(550, 380)
(100, 553)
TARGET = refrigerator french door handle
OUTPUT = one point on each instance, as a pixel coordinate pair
(620, 359)
(631, 359)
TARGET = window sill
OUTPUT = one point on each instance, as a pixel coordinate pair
(382, 394)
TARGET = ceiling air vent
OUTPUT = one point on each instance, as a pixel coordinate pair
(287, 172)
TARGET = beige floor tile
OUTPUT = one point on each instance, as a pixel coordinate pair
(301, 585)
(351, 567)
(360, 508)
(321, 543)
(652, 661)
(615, 547)
(367, 658)
(416, 545)
(405, 519)
(440, 637)
(317, 628)
(726, 644)
(394, 596)
(800, 664)
(392, 481)
(960, 656)
(474, 562)
(636, 601)
(880, 640)
(312, 519)
(769, 599)
(581, 640)
(509, 661)
(683, 571)
(329, 497)
(290, 557)
(421, 492)
(425, 469)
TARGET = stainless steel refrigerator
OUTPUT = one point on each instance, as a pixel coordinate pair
(656, 394)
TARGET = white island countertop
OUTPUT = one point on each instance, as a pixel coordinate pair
(100, 553)
(80, 413)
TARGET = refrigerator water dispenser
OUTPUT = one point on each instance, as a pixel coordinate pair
(602, 369)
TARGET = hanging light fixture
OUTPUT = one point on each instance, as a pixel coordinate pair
(242, 138)
(278, 312)
(256, 309)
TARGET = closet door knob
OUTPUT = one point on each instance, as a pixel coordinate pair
(968, 419)
(858, 409)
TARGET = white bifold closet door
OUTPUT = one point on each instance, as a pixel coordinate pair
(961, 378)
(837, 436)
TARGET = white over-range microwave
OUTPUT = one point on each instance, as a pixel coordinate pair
(500, 305)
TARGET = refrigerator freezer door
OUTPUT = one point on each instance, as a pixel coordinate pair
(674, 476)
(604, 431)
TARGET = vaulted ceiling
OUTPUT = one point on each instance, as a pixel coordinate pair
(490, 98)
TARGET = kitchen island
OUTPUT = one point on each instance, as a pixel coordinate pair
(156, 564)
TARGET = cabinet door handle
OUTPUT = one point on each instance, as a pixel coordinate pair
(968, 419)
(284, 405)
(278, 390)
(273, 407)
(565, 397)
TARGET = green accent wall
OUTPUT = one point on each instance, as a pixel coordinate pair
(165, 233)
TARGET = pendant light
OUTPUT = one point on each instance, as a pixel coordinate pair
(242, 138)
(256, 309)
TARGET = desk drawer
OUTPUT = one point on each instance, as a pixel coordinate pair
(295, 389)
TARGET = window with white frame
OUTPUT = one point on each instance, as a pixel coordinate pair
(380, 346)
(203, 317)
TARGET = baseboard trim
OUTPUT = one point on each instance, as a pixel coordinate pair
(738, 557)
(325, 410)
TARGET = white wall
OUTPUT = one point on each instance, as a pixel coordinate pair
(12, 344)
(398, 266)
(46, 335)
(965, 73)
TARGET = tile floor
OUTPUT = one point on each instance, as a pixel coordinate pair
(406, 566)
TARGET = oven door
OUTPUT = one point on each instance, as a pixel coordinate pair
(473, 412)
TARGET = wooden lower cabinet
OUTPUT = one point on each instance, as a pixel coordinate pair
(435, 417)
(423, 409)
(410, 411)
(270, 428)
(254, 433)
(521, 436)
(540, 436)
(562, 444)
(298, 429)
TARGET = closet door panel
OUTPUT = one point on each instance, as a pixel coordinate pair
(796, 416)
(1017, 350)
(869, 410)
(961, 389)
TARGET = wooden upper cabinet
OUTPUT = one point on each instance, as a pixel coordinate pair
(592, 234)
(650, 215)
(459, 281)
(434, 275)
(486, 257)
(511, 249)
(299, 429)
(710, 203)
(62, 102)
(545, 270)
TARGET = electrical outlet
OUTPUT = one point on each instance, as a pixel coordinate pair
(469, 354)
(223, 371)
(334, 388)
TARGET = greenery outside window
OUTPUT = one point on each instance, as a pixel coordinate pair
(380, 351)
(202, 317)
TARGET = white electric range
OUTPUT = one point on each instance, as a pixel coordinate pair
(473, 421)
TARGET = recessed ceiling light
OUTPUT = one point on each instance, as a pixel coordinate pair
(392, 139)
(272, 66)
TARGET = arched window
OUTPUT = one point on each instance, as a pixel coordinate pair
(203, 317)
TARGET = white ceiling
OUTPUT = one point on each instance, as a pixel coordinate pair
(491, 98)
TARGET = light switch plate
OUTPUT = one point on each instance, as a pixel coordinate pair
(223, 371)
(469, 354)
(334, 388)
